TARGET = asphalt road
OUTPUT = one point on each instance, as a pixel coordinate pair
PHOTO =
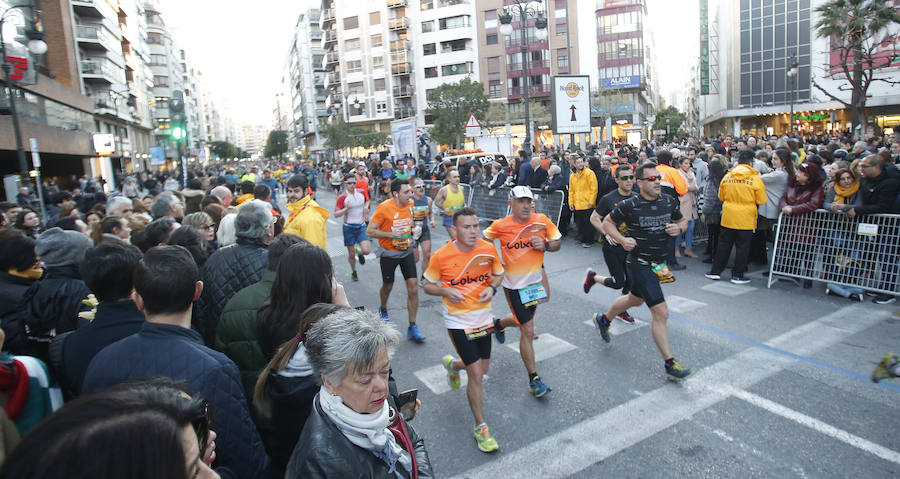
(781, 388)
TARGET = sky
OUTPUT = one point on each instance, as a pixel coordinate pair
(241, 46)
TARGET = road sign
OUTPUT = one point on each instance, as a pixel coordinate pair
(659, 132)
(473, 126)
(571, 104)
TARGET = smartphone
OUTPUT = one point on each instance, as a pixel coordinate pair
(406, 401)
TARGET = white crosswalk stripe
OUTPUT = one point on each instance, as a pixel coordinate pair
(727, 289)
(618, 326)
(546, 347)
(680, 304)
(435, 379)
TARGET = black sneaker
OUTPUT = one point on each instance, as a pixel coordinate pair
(677, 267)
(603, 325)
(883, 298)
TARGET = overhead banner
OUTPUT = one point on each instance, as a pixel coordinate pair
(704, 47)
(157, 156)
(571, 104)
(403, 135)
(618, 83)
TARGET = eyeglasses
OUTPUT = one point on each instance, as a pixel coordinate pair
(651, 178)
(209, 227)
(626, 177)
(351, 183)
(420, 187)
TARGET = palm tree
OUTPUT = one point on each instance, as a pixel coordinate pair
(859, 33)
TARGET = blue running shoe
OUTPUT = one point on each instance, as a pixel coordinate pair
(499, 333)
(538, 388)
(384, 314)
(413, 334)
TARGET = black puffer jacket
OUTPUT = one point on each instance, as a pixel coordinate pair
(291, 399)
(879, 195)
(227, 271)
(50, 307)
(324, 452)
(12, 289)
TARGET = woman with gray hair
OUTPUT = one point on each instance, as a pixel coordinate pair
(554, 181)
(352, 430)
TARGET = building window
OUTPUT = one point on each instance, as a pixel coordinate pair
(562, 29)
(158, 60)
(351, 44)
(376, 41)
(458, 21)
(429, 49)
(378, 62)
(355, 88)
(155, 38)
(431, 72)
(491, 39)
(428, 26)
(560, 11)
(375, 18)
(454, 45)
(495, 89)
(380, 84)
(493, 65)
(354, 66)
(456, 69)
(426, 5)
(562, 59)
(381, 107)
(351, 22)
(490, 19)
(160, 81)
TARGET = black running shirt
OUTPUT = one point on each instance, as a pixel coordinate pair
(609, 201)
(646, 222)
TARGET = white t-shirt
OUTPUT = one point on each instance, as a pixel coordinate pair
(356, 202)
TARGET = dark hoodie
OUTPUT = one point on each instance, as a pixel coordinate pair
(290, 392)
(880, 194)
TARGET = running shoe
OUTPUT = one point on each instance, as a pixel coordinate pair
(413, 334)
(676, 370)
(712, 276)
(739, 279)
(589, 280)
(499, 333)
(452, 376)
(538, 388)
(603, 325)
(360, 256)
(885, 368)
(486, 442)
(624, 316)
(881, 298)
(384, 314)
(354, 276)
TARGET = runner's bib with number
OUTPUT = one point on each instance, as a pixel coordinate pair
(533, 294)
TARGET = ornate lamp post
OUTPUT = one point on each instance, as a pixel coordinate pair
(525, 9)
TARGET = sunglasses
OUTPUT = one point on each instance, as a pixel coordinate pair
(420, 187)
(626, 177)
(351, 183)
(651, 178)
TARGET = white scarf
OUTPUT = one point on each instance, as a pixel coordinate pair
(368, 431)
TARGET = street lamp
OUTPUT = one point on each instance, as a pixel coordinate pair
(526, 9)
(792, 75)
(115, 96)
(37, 46)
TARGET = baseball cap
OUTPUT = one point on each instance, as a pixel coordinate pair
(521, 192)
(361, 163)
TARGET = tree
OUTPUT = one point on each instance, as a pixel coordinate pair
(276, 144)
(451, 104)
(224, 149)
(341, 135)
(674, 117)
(858, 31)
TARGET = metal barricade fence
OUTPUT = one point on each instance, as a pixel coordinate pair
(859, 252)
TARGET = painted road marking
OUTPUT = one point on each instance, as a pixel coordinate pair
(680, 304)
(618, 326)
(435, 378)
(727, 289)
(546, 347)
(629, 423)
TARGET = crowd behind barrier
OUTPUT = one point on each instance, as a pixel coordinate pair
(858, 254)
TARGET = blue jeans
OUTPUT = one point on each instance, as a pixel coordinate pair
(688, 236)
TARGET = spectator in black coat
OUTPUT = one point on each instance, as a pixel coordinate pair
(19, 269)
(166, 283)
(108, 271)
(538, 173)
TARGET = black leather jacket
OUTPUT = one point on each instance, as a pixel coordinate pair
(324, 452)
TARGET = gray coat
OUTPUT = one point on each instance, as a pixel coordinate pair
(776, 183)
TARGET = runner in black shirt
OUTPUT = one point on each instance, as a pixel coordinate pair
(650, 219)
(613, 253)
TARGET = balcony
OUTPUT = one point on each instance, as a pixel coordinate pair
(533, 65)
(327, 15)
(404, 112)
(330, 37)
(332, 58)
(94, 37)
(399, 57)
(403, 91)
(396, 3)
(533, 90)
(401, 23)
(101, 70)
(93, 8)
(400, 69)
(333, 78)
(399, 46)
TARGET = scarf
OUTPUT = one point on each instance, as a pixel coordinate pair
(842, 195)
(298, 366)
(30, 273)
(368, 431)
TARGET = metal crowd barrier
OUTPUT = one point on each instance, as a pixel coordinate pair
(494, 203)
(859, 252)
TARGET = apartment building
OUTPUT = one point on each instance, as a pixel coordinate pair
(305, 75)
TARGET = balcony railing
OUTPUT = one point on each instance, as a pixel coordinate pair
(94, 35)
(404, 112)
(334, 78)
(616, 29)
(330, 36)
(400, 68)
(400, 57)
(621, 55)
(532, 65)
(400, 23)
(328, 15)
(396, 3)
(403, 91)
(536, 90)
(102, 69)
(332, 58)
(399, 45)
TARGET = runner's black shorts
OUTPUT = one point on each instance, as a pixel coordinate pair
(470, 351)
(426, 234)
(645, 284)
(389, 266)
(521, 313)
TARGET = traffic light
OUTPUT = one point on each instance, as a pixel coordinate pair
(176, 115)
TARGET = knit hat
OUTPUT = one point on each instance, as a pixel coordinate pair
(58, 247)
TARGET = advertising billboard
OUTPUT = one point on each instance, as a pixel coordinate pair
(571, 104)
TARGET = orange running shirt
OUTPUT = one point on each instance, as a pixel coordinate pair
(470, 273)
(522, 262)
(390, 217)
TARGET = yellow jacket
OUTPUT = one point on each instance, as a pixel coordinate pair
(307, 220)
(583, 189)
(741, 192)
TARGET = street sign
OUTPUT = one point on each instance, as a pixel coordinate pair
(659, 132)
(473, 126)
(571, 104)
(35, 155)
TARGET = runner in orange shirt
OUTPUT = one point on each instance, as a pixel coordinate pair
(466, 272)
(524, 237)
(392, 225)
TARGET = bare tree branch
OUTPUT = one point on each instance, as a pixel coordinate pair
(829, 95)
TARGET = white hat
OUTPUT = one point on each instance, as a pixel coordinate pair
(521, 192)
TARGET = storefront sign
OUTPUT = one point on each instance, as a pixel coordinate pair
(813, 117)
(611, 109)
(104, 144)
(704, 47)
(618, 83)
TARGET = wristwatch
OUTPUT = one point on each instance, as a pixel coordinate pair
(546, 245)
